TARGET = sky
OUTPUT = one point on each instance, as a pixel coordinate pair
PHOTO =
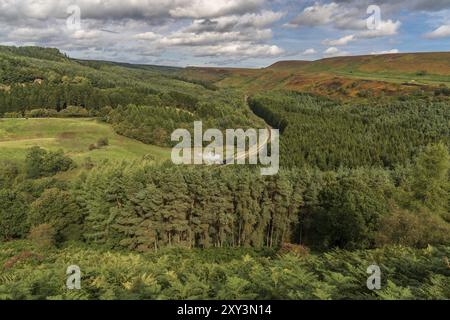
(231, 33)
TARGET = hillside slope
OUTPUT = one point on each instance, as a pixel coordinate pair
(351, 76)
(73, 136)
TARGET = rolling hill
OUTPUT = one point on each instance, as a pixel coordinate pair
(351, 76)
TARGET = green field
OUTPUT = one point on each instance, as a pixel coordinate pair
(73, 136)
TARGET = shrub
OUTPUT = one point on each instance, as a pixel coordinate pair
(442, 90)
(102, 142)
(412, 229)
(13, 215)
(421, 73)
(74, 112)
(43, 235)
(13, 115)
(88, 164)
(8, 172)
(59, 209)
(42, 163)
(41, 113)
(294, 249)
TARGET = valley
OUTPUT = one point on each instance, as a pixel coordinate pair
(86, 178)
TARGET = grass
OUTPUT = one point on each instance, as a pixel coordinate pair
(73, 136)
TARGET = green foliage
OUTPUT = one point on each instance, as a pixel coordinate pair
(328, 135)
(351, 206)
(43, 236)
(74, 112)
(353, 177)
(190, 274)
(13, 215)
(430, 184)
(60, 210)
(413, 229)
(41, 113)
(41, 163)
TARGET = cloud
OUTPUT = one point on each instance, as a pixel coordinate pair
(316, 15)
(392, 51)
(149, 36)
(224, 35)
(32, 34)
(340, 42)
(309, 52)
(384, 28)
(239, 50)
(127, 9)
(390, 6)
(210, 38)
(339, 16)
(228, 23)
(334, 52)
(131, 28)
(441, 32)
(207, 8)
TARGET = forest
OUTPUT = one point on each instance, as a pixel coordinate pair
(370, 133)
(361, 182)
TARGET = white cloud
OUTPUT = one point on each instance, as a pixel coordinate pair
(86, 34)
(392, 51)
(227, 23)
(334, 52)
(441, 32)
(385, 28)
(309, 52)
(151, 36)
(207, 8)
(316, 15)
(209, 38)
(242, 50)
(341, 41)
(227, 35)
(33, 34)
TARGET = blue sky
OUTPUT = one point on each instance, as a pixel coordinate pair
(252, 33)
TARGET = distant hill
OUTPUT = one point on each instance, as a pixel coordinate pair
(437, 63)
(289, 65)
(411, 63)
(351, 76)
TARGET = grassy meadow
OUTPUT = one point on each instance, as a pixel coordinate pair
(73, 136)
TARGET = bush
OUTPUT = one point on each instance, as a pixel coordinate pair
(13, 215)
(442, 90)
(102, 142)
(13, 115)
(42, 163)
(59, 209)
(294, 249)
(412, 229)
(88, 164)
(421, 73)
(74, 112)
(41, 113)
(8, 172)
(43, 236)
